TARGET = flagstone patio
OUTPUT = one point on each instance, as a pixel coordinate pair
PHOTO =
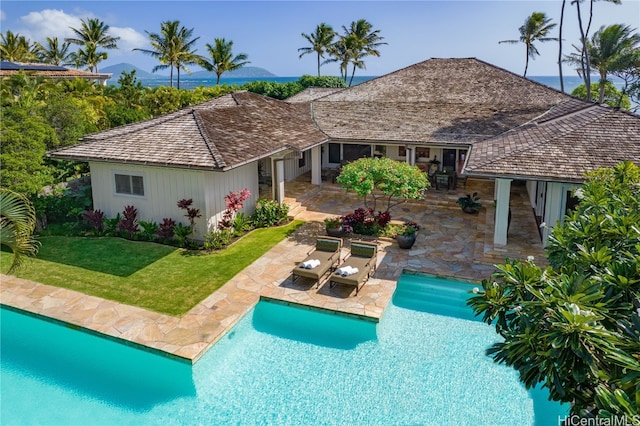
(450, 243)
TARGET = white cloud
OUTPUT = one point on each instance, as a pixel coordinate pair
(37, 26)
(3, 15)
(48, 23)
(129, 39)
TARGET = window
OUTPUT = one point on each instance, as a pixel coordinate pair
(302, 161)
(130, 185)
(351, 152)
(334, 153)
(402, 151)
(422, 152)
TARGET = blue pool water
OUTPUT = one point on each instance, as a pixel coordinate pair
(422, 364)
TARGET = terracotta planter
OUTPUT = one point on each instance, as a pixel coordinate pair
(406, 241)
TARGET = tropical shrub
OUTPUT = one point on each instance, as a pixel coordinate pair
(383, 179)
(95, 220)
(148, 230)
(218, 239)
(269, 213)
(574, 327)
(165, 230)
(234, 202)
(365, 222)
(241, 224)
(181, 233)
(128, 225)
(191, 212)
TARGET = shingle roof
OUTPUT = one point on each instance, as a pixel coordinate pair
(219, 134)
(312, 93)
(438, 100)
(563, 148)
(516, 127)
(43, 70)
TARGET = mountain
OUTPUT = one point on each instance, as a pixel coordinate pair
(244, 72)
(117, 69)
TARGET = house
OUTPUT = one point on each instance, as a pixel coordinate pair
(8, 69)
(202, 152)
(472, 117)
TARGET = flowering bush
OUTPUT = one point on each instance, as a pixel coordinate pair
(333, 222)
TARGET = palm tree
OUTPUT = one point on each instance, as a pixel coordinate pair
(172, 48)
(88, 57)
(17, 222)
(609, 50)
(92, 35)
(320, 42)
(15, 48)
(357, 42)
(185, 54)
(536, 28)
(54, 53)
(222, 59)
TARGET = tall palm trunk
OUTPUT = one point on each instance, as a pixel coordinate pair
(560, 46)
(171, 76)
(586, 67)
(353, 72)
(318, 64)
(526, 63)
(178, 80)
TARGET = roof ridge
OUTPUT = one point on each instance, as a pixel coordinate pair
(211, 146)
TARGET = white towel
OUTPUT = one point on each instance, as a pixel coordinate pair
(347, 270)
(310, 264)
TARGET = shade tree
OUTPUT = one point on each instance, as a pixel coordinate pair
(383, 179)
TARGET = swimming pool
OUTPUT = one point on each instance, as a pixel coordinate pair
(279, 365)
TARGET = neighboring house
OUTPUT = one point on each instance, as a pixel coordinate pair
(50, 71)
(470, 116)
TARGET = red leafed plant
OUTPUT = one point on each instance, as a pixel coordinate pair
(165, 229)
(128, 225)
(192, 213)
(94, 218)
(234, 202)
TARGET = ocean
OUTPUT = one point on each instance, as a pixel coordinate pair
(570, 82)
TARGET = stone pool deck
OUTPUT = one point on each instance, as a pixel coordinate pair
(450, 243)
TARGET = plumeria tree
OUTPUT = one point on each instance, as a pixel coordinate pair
(383, 179)
(574, 327)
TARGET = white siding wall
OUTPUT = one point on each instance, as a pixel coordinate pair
(220, 184)
(164, 187)
(532, 185)
(291, 168)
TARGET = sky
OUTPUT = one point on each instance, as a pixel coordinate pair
(269, 32)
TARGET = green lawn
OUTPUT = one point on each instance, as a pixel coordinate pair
(152, 276)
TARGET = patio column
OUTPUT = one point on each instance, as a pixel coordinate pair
(278, 176)
(316, 166)
(501, 225)
(411, 155)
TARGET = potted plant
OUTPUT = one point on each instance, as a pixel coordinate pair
(407, 234)
(333, 226)
(469, 203)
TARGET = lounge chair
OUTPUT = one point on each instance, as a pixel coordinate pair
(363, 257)
(326, 252)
